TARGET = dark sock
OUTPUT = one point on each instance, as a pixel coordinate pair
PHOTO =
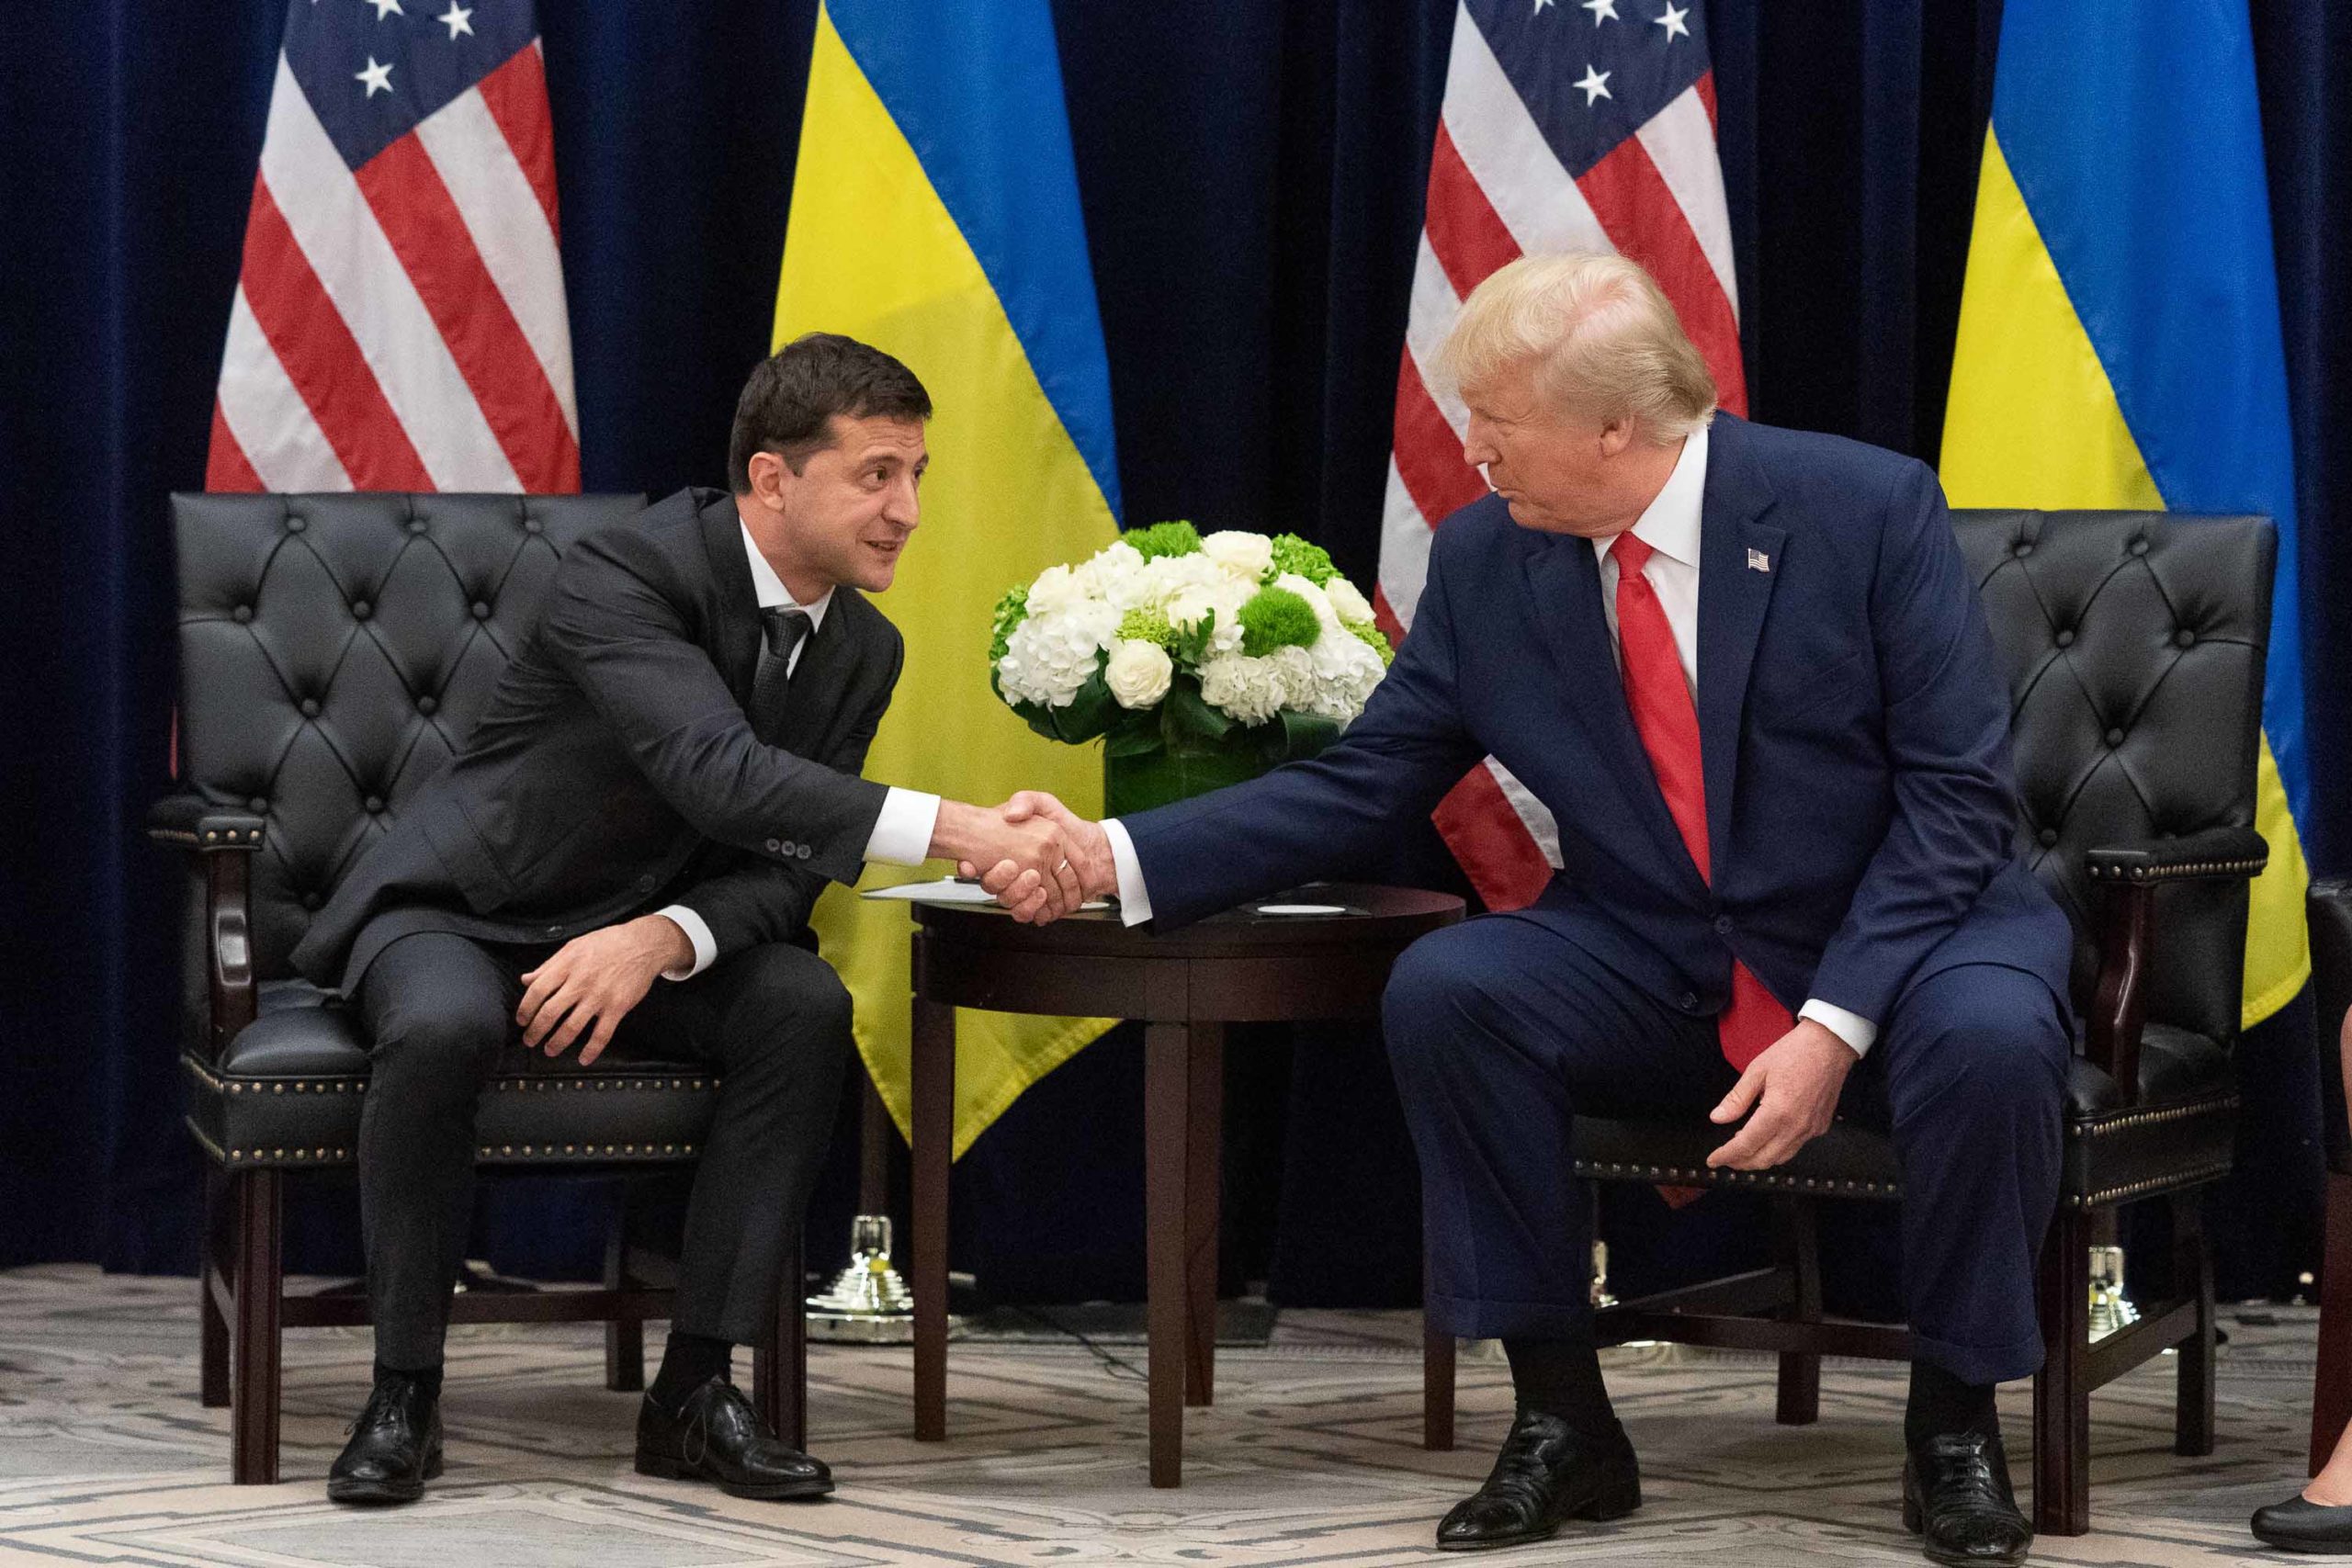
(429, 1377)
(1562, 1378)
(688, 1361)
(1940, 1403)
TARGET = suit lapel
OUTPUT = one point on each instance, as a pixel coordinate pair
(735, 613)
(1563, 579)
(822, 678)
(1740, 560)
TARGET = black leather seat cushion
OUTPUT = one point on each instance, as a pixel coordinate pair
(288, 1091)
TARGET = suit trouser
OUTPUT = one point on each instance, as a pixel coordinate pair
(773, 1021)
(1502, 1029)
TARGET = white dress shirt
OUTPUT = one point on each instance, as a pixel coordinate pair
(1670, 527)
(901, 834)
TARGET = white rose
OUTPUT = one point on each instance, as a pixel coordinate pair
(1305, 587)
(1115, 576)
(1346, 602)
(1166, 577)
(1247, 556)
(1225, 599)
(1057, 589)
(1246, 690)
(1138, 672)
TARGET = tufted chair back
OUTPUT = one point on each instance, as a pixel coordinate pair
(333, 651)
(2130, 641)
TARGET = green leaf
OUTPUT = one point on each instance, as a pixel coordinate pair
(1290, 736)
(1133, 736)
(1089, 714)
(1188, 721)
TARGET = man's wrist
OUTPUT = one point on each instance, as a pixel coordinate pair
(957, 834)
(670, 947)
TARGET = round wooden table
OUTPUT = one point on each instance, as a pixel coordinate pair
(1241, 966)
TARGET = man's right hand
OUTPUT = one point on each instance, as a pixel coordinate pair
(1025, 853)
(1089, 856)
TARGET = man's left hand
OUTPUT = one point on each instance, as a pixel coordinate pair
(593, 981)
(1793, 1088)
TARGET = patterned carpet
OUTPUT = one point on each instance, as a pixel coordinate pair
(1310, 1456)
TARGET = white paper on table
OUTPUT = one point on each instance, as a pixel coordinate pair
(949, 890)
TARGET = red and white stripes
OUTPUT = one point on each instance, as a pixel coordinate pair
(402, 327)
(1497, 191)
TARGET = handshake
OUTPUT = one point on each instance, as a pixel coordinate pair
(1038, 857)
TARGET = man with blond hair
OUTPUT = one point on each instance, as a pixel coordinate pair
(1746, 671)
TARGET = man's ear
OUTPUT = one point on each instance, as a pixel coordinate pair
(1616, 435)
(769, 475)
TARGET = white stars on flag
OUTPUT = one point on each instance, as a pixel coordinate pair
(378, 77)
(1540, 4)
(385, 8)
(457, 20)
(1673, 22)
(1602, 10)
(1595, 85)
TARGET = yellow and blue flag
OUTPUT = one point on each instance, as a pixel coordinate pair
(2119, 332)
(935, 216)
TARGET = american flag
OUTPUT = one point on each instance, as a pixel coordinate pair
(399, 321)
(1567, 126)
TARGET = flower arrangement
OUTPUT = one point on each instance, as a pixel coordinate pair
(1169, 642)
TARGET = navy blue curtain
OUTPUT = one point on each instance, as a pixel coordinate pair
(1251, 172)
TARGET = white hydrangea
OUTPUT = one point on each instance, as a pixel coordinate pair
(1248, 556)
(1246, 690)
(1138, 673)
(1296, 668)
(1345, 672)
(1057, 590)
(1115, 575)
(1166, 577)
(1049, 657)
(1346, 602)
(1225, 597)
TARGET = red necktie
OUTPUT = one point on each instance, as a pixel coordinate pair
(1668, 722)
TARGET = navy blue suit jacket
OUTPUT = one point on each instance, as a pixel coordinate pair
(1853, 728)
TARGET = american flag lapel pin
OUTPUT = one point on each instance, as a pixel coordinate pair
(1759, 561)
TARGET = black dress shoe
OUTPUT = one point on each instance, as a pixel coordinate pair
(2300, 1525)
(1956, 1493)
(1546, 1474)
(395, 1447)
(718, 1437)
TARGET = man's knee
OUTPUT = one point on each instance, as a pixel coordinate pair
(1432, 984)
(448, 1036)
(1989, 1040)
(786, 993)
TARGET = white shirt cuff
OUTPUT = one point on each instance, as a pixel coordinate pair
(1851, 1027)
(903, 833)
(1135, 903)
(697, 931)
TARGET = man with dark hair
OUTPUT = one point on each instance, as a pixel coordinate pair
(624, 855)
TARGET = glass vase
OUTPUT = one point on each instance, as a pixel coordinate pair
(1139, 782)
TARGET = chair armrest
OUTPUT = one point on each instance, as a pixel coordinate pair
(2214, 853)
(209, 831)
(2133, 872)
(192, 822)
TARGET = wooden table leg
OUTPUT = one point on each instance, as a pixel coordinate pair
(1167, 1111)
(933, 1144)
(1203, 1178)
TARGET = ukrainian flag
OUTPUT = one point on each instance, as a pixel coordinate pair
(935, 215)
(2119, 332)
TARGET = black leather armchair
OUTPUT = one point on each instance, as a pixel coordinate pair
(2134, 644)
(334, 650)
(2330, 905)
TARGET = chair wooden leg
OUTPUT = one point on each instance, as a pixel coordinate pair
(1800, 1381)
(1437, 1388)
(2061, 1405)
(933, 1142)
(2332, 1381)
(624, 1341)
(780, 1366)
(1203, 1178)
(212, 1324)
(2192, 1272)
(259, 1286)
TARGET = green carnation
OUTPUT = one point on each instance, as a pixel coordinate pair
(1010, 611)
(1275, 617)
(1164, 539)
(1312, 562)
(1375, 639)
(1147, 625)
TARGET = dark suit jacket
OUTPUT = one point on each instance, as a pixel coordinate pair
(614, 771)
(1853, 728)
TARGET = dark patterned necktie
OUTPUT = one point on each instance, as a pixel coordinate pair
(782, 627)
